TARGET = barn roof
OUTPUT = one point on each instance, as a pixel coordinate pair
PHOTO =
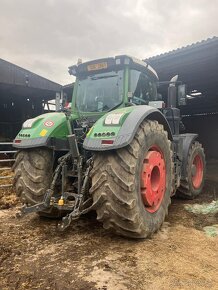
(197, 67)
(19, 82)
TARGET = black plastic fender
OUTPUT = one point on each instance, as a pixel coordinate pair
(129, 128)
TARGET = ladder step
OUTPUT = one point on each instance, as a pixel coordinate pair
(5, 168)
(6, 177)
(7, 152)
(6, 185)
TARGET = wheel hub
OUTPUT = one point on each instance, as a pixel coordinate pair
(193, 171)
(197, 171)
(153, 180)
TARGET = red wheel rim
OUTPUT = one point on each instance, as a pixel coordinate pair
(197, 171)
(153, 179)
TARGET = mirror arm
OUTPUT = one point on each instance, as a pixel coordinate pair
(168, 83)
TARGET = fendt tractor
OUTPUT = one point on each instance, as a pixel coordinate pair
(118, 150)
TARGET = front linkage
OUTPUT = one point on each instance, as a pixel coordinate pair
(80, 204)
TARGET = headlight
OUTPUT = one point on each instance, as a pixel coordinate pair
(113, 119)
(28, 123)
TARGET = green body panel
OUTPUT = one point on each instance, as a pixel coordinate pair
(57, 127)
(101, 128)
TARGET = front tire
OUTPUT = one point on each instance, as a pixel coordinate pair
(33, 170)
(135, 183)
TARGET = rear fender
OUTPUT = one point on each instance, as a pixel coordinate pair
(104, 136)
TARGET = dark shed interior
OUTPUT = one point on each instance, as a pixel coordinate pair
(23, 95)
(197, 67)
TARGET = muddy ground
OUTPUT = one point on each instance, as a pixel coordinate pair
(34, 255)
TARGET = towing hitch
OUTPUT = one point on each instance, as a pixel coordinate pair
(75, 213)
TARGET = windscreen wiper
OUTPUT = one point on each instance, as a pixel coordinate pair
(103, 77)
(115, 107)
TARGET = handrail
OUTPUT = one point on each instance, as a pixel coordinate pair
(9, 154)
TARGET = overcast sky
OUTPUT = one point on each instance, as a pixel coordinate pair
(46, 36)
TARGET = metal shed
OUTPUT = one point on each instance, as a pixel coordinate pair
(23, 95)
(197, 67)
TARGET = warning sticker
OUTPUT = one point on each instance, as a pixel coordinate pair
(49, 123)
(43, 133)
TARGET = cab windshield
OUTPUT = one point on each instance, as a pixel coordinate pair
(100, 92)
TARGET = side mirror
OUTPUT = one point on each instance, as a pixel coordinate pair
(182, 95)
(72, 70)
(64, 100)
(58, 101)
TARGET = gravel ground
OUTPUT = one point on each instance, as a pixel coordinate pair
(34, 255)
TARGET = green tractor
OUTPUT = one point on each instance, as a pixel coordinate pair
(118, 150)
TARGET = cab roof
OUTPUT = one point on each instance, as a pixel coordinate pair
(111, 63)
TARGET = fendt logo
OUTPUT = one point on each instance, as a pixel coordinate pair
(49, 123)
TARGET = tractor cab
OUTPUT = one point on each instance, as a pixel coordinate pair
(111, 83)
(105, 84)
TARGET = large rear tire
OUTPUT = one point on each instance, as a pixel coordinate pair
(33, 170)
(135, 183)
(192, 186)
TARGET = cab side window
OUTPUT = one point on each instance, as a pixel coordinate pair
(142, 87)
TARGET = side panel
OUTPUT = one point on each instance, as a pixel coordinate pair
(121, 132)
